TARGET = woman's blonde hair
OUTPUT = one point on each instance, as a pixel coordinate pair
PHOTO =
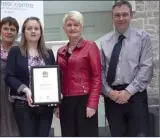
(42, 50)
(75, 15)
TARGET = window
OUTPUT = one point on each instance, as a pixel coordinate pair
(97, 18)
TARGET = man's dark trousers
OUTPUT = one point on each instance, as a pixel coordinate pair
(130, 119)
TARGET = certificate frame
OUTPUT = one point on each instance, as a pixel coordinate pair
(44, 85)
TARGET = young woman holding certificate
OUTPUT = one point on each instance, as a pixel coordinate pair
(80, 67)
(32, 120)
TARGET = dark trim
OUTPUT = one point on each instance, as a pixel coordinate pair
(58, 81)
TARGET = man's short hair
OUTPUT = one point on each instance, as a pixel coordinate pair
(122, 2)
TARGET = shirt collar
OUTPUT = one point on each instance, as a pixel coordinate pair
(79, 44)
(2, 49)
(126, 33)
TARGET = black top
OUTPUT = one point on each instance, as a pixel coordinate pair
(68, 55)
(17, 72)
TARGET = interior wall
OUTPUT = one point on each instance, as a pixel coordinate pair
(97, 18)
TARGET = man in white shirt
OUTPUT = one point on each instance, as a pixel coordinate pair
(127, 69)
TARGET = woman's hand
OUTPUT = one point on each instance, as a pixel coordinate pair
(57, 109)
(57, 112)
(90, 112)
(29, 96)
(61, 96)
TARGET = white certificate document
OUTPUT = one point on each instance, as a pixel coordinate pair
(45, 85)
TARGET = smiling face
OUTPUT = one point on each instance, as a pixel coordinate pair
(8, 33)
(121, 17)
(32, 31)
(73, 28)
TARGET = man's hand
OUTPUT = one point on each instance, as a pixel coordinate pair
(113, 95)
(123, 97)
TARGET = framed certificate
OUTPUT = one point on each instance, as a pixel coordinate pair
(45, 85)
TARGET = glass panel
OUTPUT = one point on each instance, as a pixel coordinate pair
(97, 18)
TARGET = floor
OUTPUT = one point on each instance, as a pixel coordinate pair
(104, 132)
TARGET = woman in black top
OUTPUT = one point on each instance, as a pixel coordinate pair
(32, 120)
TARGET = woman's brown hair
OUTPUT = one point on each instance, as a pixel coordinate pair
(11, 21)
(42, 50)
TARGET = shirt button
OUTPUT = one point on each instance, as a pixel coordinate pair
(118, 73)
(118, 79)
(84, 91)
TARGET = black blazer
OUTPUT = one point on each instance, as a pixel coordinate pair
(17, 73)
